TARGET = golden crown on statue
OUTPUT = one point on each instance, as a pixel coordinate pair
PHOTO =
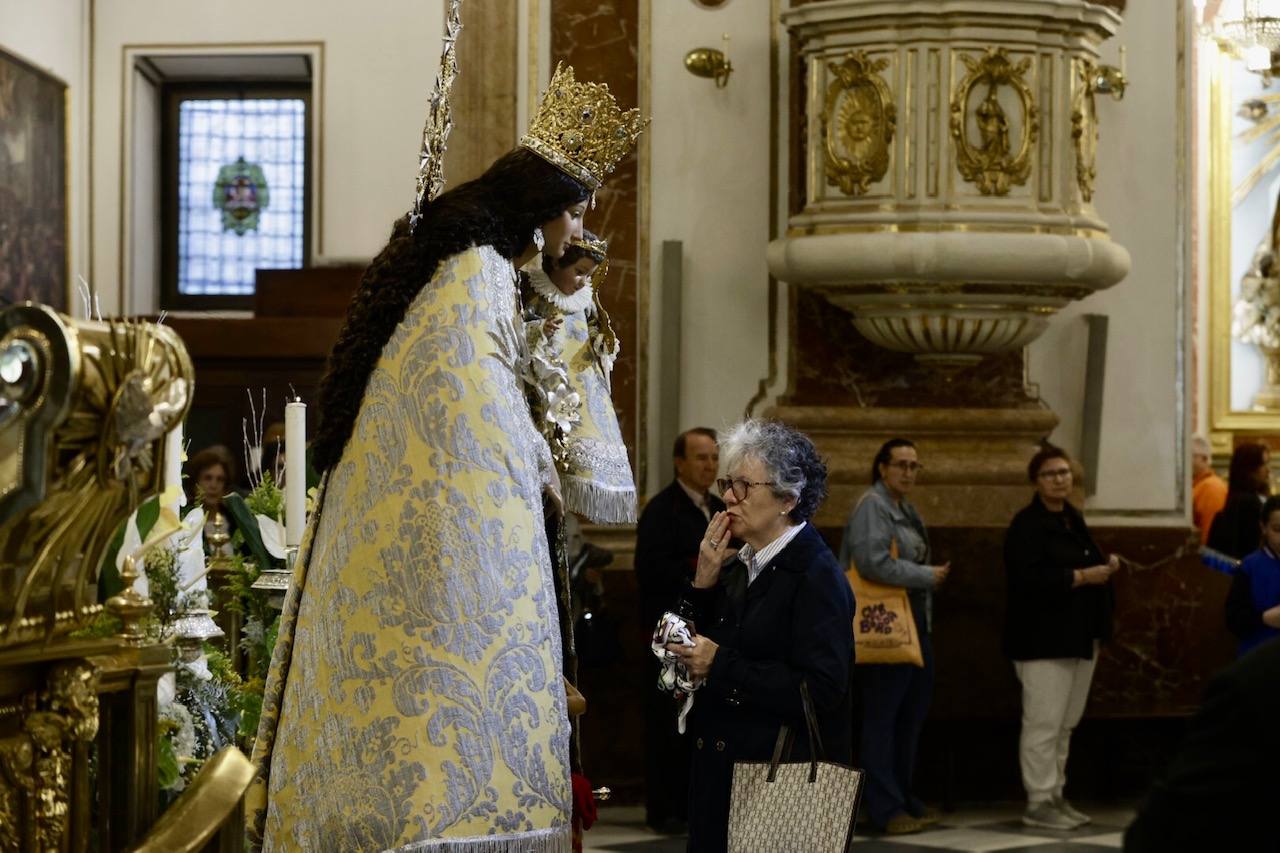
(580, 128)
(593, 247)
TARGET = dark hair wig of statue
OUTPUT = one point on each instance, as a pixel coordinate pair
(501, 208)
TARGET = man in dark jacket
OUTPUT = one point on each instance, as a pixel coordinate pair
(667, 537)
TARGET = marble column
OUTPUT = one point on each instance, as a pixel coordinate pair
(945, 215)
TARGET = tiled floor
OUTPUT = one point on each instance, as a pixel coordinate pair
(622, 830)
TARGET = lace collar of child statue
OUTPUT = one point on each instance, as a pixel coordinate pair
(546, 288)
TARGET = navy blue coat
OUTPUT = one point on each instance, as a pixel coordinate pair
(795, 622)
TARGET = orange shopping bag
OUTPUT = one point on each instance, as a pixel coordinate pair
(884, 630)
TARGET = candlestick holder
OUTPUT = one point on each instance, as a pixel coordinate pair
(275, 581)
(217, 539)
(130, 606)
(192, 628)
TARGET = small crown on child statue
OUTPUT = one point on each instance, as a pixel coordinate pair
(580, 128)
(593, 247)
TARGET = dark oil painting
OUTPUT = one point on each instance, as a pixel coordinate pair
(33, 185)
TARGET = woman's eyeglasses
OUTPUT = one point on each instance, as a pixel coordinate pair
(1055, 474)
(906, 466)
(739, 486)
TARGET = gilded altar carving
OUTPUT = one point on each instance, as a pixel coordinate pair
(16, 756)
(85, 407)
(994, 162)
(36, 762)
(858, 123)
(1084, 127)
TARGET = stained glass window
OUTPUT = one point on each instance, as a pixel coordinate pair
(241, 172)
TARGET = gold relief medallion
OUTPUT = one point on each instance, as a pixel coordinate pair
(1084, 127)
(994, 163)
(858, 123)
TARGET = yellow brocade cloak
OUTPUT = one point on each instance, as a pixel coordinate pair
(415, 700)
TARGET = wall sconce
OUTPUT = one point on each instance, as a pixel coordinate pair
(710, 63)
(1109, 80)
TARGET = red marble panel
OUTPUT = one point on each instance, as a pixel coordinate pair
(834, 365)
(599, 38)
(1169, 636)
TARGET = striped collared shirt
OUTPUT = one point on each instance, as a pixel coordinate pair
(756, 562)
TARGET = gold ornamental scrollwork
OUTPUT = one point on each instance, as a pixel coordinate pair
(994, 163)
(1084, 127)
(16, 757)
(94, 402)
(35, 764)
(858, 122)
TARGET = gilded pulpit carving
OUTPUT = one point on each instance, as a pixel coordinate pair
(994, 164)
(858, 123)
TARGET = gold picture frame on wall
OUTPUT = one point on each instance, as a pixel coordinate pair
(1243, 194)
(34, 237)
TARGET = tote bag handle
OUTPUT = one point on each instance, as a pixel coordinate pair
(786, 738)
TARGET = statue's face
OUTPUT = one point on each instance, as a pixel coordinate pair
(557, 232)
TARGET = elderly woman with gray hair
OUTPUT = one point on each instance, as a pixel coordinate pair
(775, 614)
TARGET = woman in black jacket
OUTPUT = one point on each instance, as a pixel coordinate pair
(778, 613)
(1058, 612)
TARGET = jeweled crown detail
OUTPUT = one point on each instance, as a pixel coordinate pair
(580, 128)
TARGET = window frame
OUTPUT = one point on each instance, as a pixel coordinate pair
(172, 95)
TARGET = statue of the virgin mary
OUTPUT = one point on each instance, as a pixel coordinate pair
(415, 700)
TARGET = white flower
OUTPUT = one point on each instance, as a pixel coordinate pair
(166, 689)
(184, 739)
(272, 533)
(563, 404)
(190, 547)
(198, 668)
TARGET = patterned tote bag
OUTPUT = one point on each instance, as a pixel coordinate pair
(779, 806)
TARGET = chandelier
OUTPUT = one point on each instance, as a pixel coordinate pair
(1251, 30)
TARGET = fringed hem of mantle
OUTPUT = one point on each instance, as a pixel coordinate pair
(599, 504)
(555, 840)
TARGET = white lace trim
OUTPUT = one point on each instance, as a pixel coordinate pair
(546, 288)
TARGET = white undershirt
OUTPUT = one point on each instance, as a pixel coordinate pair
(699, 499)
(756, 563)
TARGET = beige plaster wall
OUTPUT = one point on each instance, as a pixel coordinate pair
(373, 66)
(710, 190)
(1140, 179)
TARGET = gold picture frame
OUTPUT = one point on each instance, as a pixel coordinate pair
(1225, 195)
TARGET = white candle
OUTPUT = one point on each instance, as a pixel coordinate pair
(173, 466)
(295, 472)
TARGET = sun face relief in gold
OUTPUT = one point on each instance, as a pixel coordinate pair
(858, 122)
(994, 163)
